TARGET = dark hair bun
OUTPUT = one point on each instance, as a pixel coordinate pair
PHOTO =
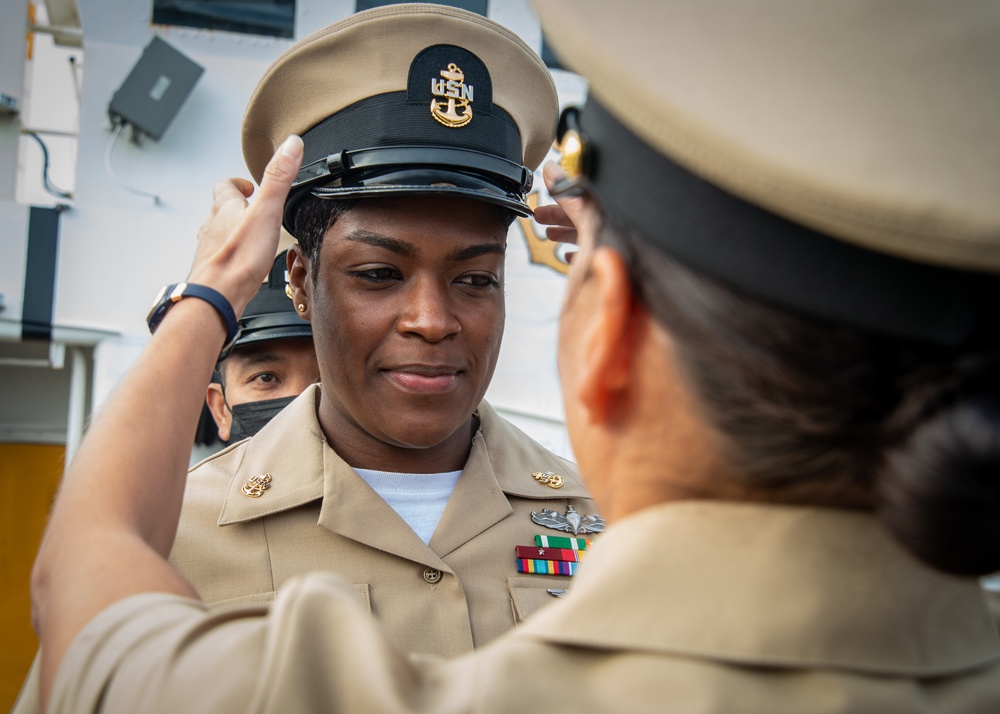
(939, 492)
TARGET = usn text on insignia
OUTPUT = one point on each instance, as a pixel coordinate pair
(572, 522)
(455, 94)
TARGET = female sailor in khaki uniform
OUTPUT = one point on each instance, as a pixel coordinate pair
(778, 353)
(422, 126)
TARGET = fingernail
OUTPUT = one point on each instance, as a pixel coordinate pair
(291, 147)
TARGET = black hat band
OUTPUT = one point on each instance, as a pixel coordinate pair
(392, 120)
(772, 258)
(391, 139)
(274, 326)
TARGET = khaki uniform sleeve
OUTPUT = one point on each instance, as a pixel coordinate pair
(317, 650)
(162, 653)
(28, 701)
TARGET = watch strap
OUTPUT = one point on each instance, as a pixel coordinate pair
(172, 294)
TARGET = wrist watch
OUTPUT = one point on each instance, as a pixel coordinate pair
(172, 294)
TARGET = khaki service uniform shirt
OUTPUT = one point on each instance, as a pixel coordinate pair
(458, 592)
(690, 607)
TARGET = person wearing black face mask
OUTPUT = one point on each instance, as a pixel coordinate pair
(272, 362)
(249, 418)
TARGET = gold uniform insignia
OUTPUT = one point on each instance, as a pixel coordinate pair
(455, 94)
(552, 480)
(255, 487)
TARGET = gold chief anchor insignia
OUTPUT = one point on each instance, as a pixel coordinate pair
(455, 94)
(552, 480)
(572, 522)
(255, 487)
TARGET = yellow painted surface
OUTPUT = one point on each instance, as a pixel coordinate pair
(29, 476)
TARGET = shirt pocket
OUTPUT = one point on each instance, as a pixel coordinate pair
(364, 595)
(528, 594)
(255, 600)
(266, 598)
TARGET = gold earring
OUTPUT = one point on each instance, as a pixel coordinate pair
(301, 307)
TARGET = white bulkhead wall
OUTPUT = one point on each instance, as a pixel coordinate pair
(116, 249)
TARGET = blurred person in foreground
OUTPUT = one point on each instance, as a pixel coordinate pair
(778, 351)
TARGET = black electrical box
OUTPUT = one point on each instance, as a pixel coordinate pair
(155, 89)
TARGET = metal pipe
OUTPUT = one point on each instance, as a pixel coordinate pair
(77, 401)
(26, 362)
(55, 360)
(65, 35)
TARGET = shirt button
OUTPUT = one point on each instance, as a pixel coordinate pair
(432, 575)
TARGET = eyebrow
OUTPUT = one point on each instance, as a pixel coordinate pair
(381, 241)
(251, 359)
(406, 249)
(474, 251)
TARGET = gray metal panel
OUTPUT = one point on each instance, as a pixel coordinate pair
(155, 89)
(40, 273)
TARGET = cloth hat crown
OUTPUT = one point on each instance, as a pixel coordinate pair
(359, 85)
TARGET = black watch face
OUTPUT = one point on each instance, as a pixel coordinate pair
(156, 316)
(159, 309)
(158, 300)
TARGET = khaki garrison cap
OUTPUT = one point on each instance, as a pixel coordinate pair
(407, 99)
(840, 158)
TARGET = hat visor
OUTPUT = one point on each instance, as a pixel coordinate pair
(411, 182)
(264, 328)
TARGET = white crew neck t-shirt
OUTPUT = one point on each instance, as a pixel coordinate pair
(419, 499)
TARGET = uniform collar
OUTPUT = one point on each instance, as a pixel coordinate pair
(513, 457)
(303, 468)
(290, 449)
(500, 465)
(784, 586)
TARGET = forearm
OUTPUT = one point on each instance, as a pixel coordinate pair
(116, 515)
(105, 533)
(146, 429)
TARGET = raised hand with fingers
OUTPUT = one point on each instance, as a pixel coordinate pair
(560, 217)
(237, 243)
